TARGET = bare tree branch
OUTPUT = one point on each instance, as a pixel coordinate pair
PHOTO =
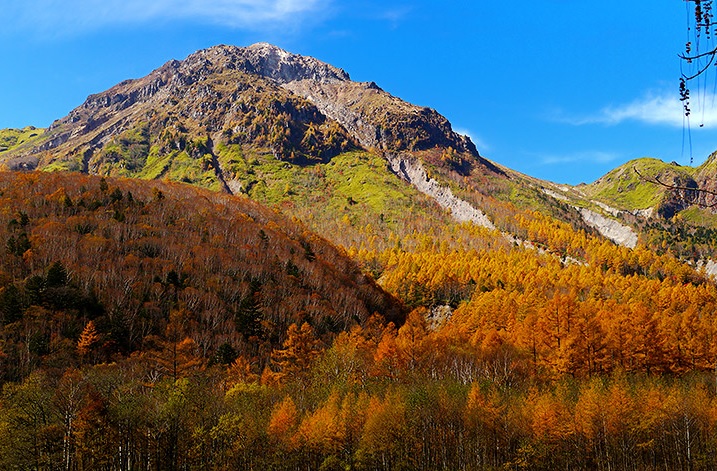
(657, 181)
(689, 58)
(702, 32)
(702, 70)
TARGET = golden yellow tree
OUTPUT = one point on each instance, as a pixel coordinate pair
(283, 423)
(323, 431)
(300, 350)
(89, 340)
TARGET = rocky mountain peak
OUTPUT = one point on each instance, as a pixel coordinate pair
(253, 94)
(273, 62)
(375, 118)
(261, 59)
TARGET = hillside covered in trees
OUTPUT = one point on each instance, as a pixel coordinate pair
(360, 289)
(149, 263)
(157, 326)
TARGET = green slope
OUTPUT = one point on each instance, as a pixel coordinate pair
(627, 187)
(13, 138)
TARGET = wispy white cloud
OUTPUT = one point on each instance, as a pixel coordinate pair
(592, 156)
(396, 15)
(77, 16)
(481, 144)
(664, 109)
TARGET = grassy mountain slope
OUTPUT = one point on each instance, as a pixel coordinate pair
(668, 219)
(632, 187)
(626, 187)
(13, 138)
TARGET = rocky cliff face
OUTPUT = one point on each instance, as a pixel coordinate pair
(277, 64)
(379, 120)
(375, 118)
(706, 179)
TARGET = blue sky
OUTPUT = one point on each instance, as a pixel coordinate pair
(561, 90)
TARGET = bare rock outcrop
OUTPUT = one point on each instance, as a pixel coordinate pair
(411, 170)
(610, 228)
(710, 268)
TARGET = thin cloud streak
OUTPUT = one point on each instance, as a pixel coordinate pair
(660, 110)
(600, 157)
(78, 16)
(396, 15)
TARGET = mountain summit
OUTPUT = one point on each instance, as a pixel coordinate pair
(300, 108)
(272, 62)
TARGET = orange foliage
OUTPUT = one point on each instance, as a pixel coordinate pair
(283, 422)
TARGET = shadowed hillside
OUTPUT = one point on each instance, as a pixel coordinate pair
(148, 262)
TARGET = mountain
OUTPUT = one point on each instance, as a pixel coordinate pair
(231, 119)
(259, 96)
(293, 132)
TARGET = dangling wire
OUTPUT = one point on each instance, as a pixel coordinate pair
(686, 137)
(689, 139)
(698, 57)
(684, 91)
(686, 128)
(705, 22)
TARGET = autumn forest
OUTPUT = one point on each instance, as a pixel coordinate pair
(154, 325)
(247, 261)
